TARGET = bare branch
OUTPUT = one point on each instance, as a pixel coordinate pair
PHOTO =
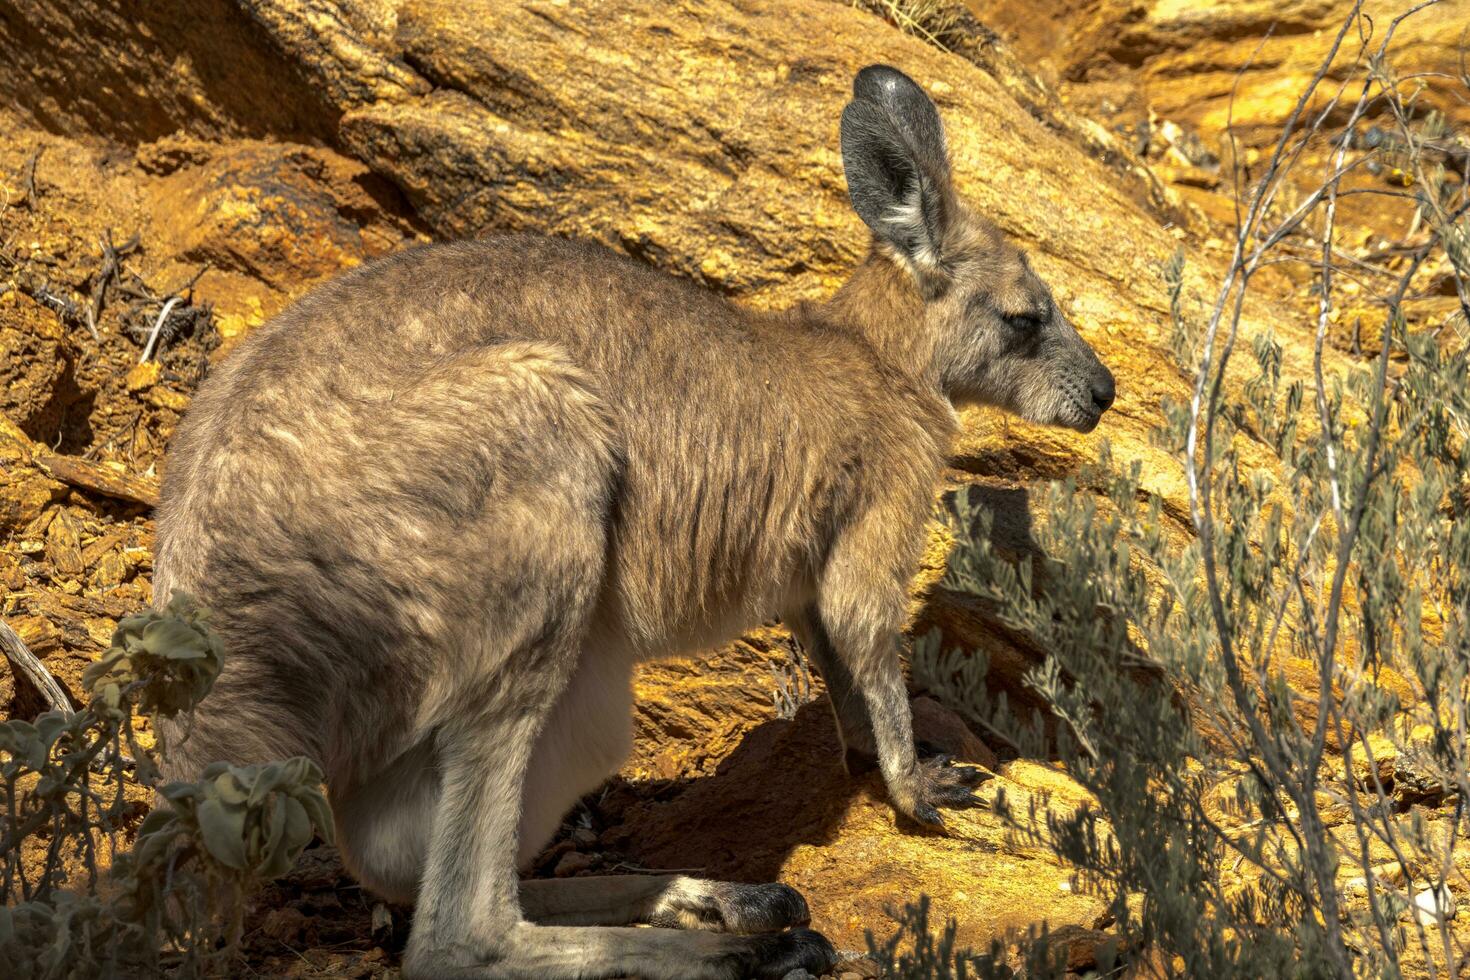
(29, 665)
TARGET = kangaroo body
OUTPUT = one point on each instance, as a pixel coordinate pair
(445, 503)
(711, 451)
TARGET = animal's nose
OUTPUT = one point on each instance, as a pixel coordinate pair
(1103, 391)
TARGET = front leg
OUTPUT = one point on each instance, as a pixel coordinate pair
(854, 727)
(854, 640)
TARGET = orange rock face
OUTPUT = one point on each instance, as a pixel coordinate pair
(262, 146)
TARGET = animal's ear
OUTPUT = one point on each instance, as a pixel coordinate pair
(897, 168)
(911, 109)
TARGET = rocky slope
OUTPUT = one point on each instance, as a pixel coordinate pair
(254, 148)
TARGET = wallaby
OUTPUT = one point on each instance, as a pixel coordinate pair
(445, 503)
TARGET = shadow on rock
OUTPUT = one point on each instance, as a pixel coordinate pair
(784, 786)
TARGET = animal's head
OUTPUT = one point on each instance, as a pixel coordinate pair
(995, 334)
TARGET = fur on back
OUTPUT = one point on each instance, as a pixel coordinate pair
(338, 490)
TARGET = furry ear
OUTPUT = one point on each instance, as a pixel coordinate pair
(897, 168)
(911, 109)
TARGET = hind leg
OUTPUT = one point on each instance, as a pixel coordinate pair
(383, 831)
(469, 923)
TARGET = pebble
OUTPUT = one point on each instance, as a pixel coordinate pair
(859, 968)
(571, 863)
(1429, 911)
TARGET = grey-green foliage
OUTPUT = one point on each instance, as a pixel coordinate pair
(1226, 681)
(1124, 730)
(175, 899)
(168, 662)
(916, 950)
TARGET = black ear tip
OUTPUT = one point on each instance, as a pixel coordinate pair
(876, 80)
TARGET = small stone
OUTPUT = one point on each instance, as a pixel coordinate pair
(553, 854)
(1430, 908)
(1189, 175)
(382, 919)
(171, 153)
(799, 974)
(63, 545)
(143, 376)
(1085, 947)
(286, 925)
(112, 569)
(167, 398)
(862, 968)
(571, 863)
(584, 837)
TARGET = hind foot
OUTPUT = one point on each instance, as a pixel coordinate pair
(727, 906)
(773, 956)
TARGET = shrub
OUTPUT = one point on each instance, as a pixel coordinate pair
(174, 900)
(915, 952)
(1269, 699)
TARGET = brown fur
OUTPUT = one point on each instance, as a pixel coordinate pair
(444, 503)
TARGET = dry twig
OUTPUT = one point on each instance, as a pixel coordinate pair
(102, 479)
(111, 266)
(30, 666)
(32, 194)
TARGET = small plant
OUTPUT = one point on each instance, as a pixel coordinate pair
(916, 951)
(1183, 340)
(175, 899)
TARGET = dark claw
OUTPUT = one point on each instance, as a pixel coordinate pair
(927, 815)
(956, 797)
(970, 776)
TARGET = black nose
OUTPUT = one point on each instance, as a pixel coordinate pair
(1103, 391)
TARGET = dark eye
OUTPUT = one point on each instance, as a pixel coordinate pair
(1027, 322)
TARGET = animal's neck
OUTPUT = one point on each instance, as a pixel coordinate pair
(881, 304)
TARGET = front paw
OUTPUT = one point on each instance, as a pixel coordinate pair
(934, 783)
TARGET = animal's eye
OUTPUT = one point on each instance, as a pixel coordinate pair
(1027, 321)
